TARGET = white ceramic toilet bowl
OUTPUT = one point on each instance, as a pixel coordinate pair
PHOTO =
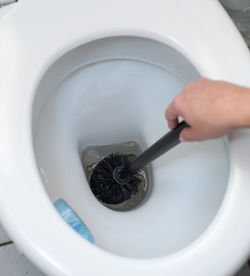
(81, 73)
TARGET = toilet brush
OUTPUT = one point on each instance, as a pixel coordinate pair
(115, 178)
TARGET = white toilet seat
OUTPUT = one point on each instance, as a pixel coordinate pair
(33, 35)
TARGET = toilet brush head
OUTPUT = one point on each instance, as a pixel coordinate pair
(111, 182)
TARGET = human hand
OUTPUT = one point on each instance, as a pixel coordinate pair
(210, 108)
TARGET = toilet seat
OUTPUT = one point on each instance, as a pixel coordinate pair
(25, 54)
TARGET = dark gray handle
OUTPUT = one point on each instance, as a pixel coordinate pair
(167, 142)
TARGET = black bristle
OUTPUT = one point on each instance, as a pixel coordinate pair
(105, 187)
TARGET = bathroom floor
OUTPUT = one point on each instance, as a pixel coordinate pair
(13, 263)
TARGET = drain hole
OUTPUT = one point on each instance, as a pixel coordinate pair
(94, 157)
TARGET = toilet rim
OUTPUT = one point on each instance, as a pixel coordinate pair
(41, 243)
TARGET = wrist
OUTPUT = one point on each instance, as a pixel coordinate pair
(242, 109)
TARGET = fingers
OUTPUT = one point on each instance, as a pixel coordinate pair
(188, 134)
(171, 115)
(173, 111)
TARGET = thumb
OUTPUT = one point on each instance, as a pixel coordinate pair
(188, 135)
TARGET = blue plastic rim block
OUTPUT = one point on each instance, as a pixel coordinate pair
(68, 214)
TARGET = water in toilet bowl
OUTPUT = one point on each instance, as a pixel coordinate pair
(92, 155)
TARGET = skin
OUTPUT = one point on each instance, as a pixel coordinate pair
(211, 109)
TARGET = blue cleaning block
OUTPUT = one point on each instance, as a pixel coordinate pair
(73, 219)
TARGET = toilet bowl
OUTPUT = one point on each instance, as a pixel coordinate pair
(81, 73)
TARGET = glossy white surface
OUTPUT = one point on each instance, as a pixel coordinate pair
(13, 263)
(3, 236)
(120, 100)
(202, 32)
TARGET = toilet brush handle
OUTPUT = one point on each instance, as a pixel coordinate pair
(164, 144)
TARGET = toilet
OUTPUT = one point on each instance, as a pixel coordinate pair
(80, 73)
